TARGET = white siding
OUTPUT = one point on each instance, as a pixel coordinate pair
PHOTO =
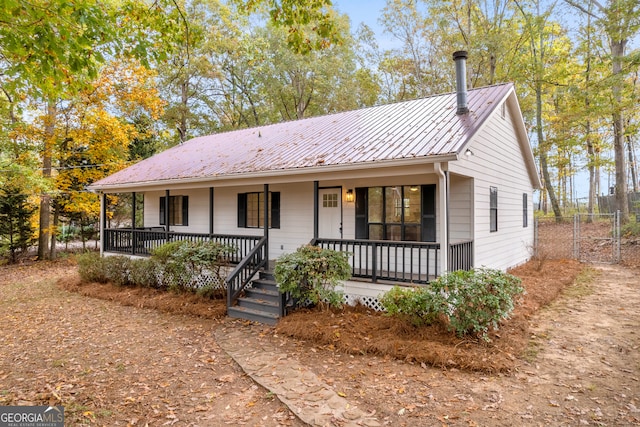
(460, 208)
(198, 210)
(296, 216)
(497, 161)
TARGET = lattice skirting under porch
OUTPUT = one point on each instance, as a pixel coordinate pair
(365, 293)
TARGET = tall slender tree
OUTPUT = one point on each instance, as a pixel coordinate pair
(620, 21)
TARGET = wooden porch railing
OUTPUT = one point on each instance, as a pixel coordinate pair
(412, 262)
(142, 242)
(461, 256)
(245, 271)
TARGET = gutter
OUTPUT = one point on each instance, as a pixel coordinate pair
(264, 175)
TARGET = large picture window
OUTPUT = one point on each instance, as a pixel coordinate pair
(251, 210)
(178, 210)
(400, 213)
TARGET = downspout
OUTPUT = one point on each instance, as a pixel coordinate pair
(443, 215)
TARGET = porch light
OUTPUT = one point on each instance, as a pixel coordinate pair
(349, 195)
(468, 153)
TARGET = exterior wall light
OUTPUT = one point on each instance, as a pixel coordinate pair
(468, 153)
(349, 195)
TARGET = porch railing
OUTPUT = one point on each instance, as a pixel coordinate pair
(245, 271)
(461, 256)
(413, 262)
(409, 262)
(142, 242)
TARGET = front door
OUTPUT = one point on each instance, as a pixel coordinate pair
(330, 215)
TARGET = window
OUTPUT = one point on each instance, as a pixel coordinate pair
(493, 209)
(178, 210)
(330, 200)
(251, 210)
(525, 216)
(400, 213)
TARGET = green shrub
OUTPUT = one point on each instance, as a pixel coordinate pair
(470, 302)
(177, 266)
(143, 272)
(91, 267)
(184, 261)
(477, 300)
(117, 269)
(417, 305)
(311, 274)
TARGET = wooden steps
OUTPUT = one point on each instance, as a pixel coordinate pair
(262, 302)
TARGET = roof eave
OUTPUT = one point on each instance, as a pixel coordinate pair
(313, 170)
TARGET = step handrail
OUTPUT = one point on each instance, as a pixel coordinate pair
(243, 273)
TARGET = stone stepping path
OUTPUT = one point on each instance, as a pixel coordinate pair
(312, 400)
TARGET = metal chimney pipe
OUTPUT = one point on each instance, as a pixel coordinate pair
(460, 57)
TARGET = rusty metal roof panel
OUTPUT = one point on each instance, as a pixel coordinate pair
(417, 128)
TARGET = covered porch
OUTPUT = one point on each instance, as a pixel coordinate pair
(344, 215)
(372, 260)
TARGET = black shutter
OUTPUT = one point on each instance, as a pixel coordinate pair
(242, 210)
(162, 211)
(362, 231)
(185, 210)
(275, 209)
(429, 213)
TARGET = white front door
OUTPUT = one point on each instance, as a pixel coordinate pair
(330, 215)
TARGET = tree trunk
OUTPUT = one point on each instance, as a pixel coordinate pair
(592, 172)
(632, 164)
(184, 108)
(543, 152)
(45, 199)
(56, 221)
(617, 53)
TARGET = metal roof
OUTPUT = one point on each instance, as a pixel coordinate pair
(423, 128)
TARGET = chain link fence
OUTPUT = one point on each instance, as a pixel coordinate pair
(589, 238)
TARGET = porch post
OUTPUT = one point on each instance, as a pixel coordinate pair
(103, 221)
(266, 221)
(316, 207)
(166, 215)
(133, 223)
(210, 210)
(133, 210)
(443, 214)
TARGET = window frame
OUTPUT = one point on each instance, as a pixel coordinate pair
(177, 203)
(424, 227)
(274, 209)
(525, 210)
(493, 209)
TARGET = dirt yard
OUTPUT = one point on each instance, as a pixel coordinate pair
(575, 362)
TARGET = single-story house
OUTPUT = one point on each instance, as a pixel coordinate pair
(410, 189)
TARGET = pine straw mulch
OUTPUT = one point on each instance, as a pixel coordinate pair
(360, 330)
(163, 301)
